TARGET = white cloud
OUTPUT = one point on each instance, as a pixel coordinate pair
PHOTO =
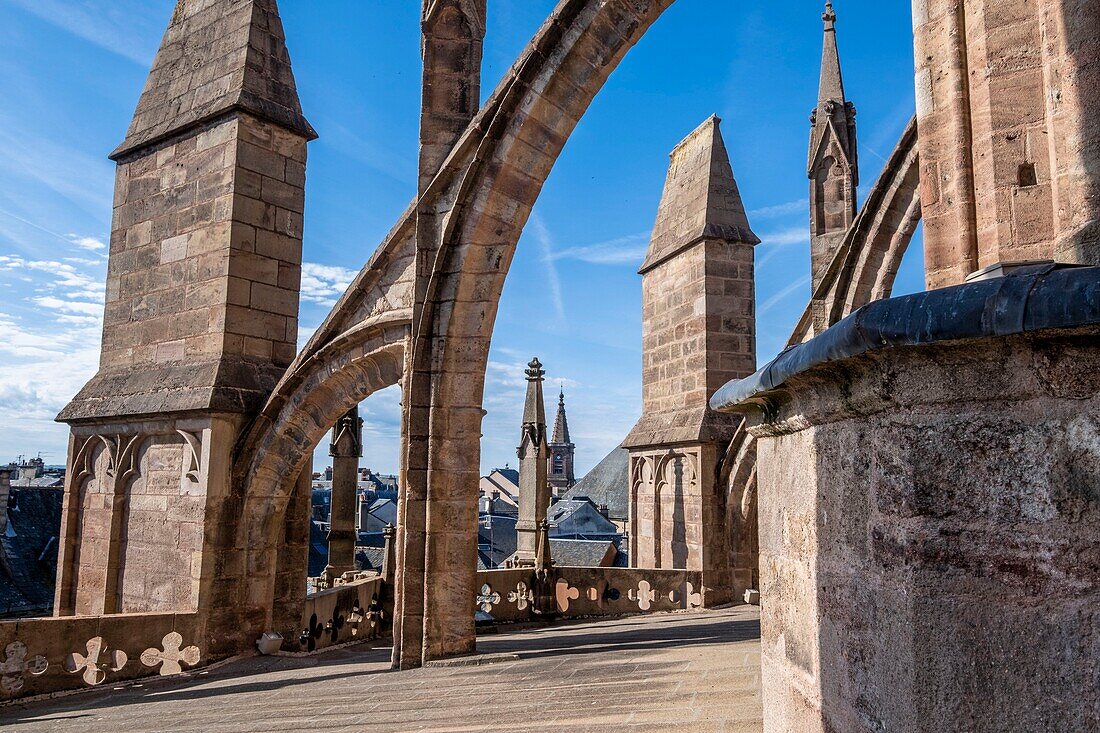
(90, 243)
(627, 250)
(767, 305)
(324, 284)
(792, 235)
(113, 25)
(66, 306)
(801, 206)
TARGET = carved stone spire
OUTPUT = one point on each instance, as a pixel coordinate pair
(217, 57)
(534, 491)
(833, 164)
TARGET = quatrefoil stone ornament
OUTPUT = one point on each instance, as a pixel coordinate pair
(92, 668)
(487, 598)
(16, 666)
(170, 657)
(644, 596)
(522, 596)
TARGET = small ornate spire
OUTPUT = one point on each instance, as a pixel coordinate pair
(534, 371)
(829, 17)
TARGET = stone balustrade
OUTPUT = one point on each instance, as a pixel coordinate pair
(513, 595)
(46, 655)
(355, 610)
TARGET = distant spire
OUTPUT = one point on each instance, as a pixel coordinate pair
(561, 424)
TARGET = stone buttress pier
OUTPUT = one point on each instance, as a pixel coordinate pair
(930, 470)
(201, 316)
(698, 331)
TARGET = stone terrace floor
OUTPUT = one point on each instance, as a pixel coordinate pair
(682, 672)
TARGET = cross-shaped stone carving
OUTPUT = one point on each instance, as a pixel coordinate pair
(309, 636)
(690, 598)
(13, 669)
(564, 593)
(94, 670)
(169, 659)
(522, 596)
(487, 598)
(644, 596)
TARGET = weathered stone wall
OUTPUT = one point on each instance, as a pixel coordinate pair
(207, 249)
(49, 655)
(928, 553)
(162, 530)
(1007, 136)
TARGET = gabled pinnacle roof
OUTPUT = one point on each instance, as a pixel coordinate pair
(700, 200)
(217, 56)
(834, 118)
(561, 424)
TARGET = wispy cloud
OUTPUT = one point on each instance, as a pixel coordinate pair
(774, 243)
(767, 305)
(783, 237)
(89, 243)
(546, 244)
(627, 250)
(82, 179)
(775, 211)
(113, 25)
(324, 284)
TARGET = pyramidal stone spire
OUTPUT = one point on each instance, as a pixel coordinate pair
(832, 81)
(217, 56)
(561, 423)
(700, 200)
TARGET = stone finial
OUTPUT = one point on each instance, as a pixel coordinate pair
(829, 16)
(534, 413)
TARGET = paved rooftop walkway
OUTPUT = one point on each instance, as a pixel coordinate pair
(682, 672)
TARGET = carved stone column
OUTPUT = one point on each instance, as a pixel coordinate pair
(346, 449)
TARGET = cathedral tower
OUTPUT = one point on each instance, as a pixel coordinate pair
(561, 452)
(201, 316)
(833, 166)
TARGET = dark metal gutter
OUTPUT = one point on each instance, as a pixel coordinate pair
(1036, 298)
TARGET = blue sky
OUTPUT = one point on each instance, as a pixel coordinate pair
(71, 72)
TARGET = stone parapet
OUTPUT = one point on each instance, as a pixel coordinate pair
(929, 512)
(509, 596)
(49, 655)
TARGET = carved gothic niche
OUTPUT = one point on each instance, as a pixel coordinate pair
(348, 428)
(471, 10)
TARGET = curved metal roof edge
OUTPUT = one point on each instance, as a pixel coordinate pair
(1057, 296)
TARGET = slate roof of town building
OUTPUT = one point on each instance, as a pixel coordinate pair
(582, 553)
(608, 484)
(28, 551)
